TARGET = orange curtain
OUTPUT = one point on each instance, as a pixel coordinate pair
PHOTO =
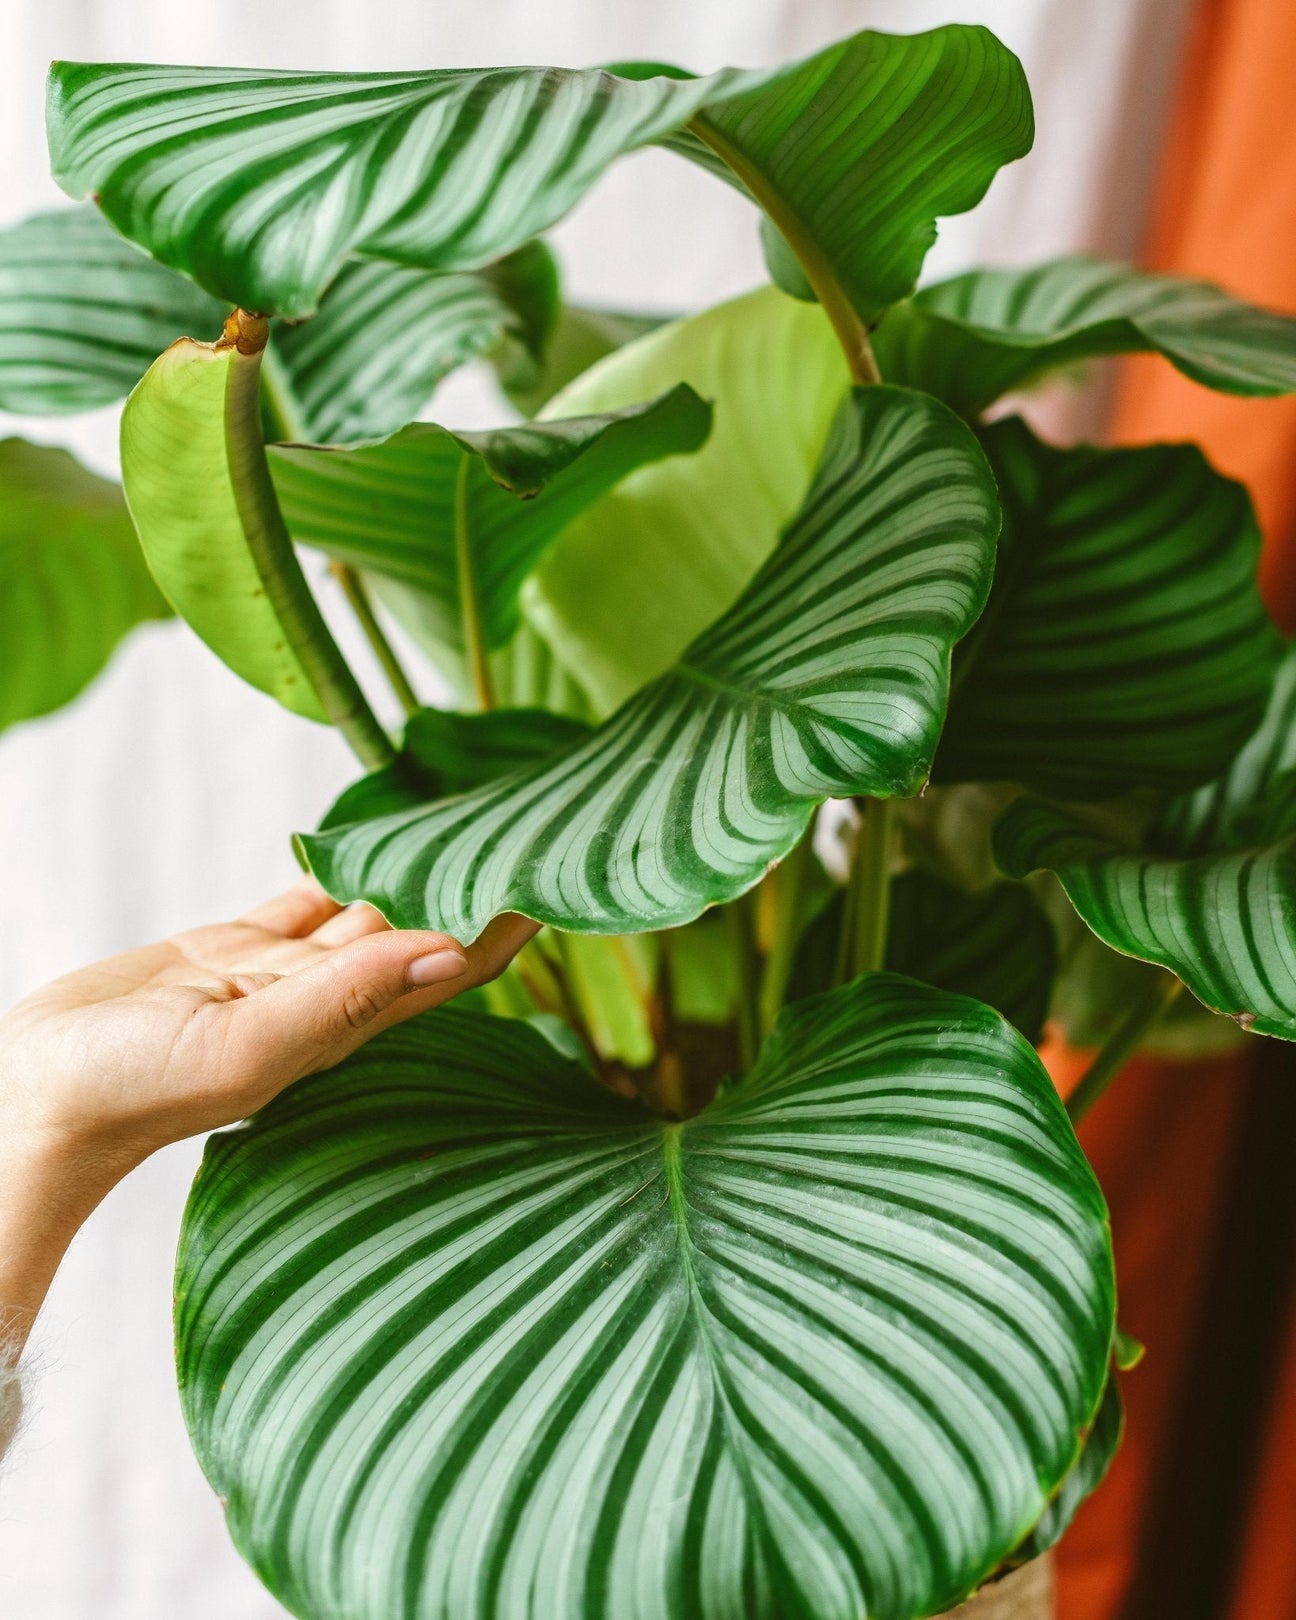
(1161, 1139)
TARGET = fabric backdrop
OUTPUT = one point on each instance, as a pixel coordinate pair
(164, 797)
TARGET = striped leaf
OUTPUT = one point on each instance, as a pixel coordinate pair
(261, 184)
(444, 753)
(83, 315)
(461, 1335)
(385, 336)
(191, 510)
(975, 337)
(828, 677)
(441, 512)
(1211, 895)
(1100, 1446)
(996, 946)
(72, 578)
(681, 539)
(1126, 643)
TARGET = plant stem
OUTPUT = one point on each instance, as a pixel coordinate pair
(470, 603)
(788, 881)
(353, 588)
(272, 553)
(282, 413)
(742, 928)
(1121, 1044)
(861, 946)
(851, 331)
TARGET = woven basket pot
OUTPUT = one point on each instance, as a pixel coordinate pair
(1026, 1594)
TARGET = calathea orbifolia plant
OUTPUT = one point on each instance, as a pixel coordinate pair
(733, 1255)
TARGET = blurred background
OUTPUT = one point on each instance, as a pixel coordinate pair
(165, 795)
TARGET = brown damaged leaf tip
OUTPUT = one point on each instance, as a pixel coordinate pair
(245, 332)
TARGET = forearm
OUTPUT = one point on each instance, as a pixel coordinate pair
(45, 1195)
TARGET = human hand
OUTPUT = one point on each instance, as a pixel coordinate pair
(101, 1068)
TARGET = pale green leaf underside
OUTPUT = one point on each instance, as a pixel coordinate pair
(176, 473)
(828, 677)
(681, 539)
(462, 1337)
(429, 508)
(260, 184)
(1125, 643)
(72, 579)
(1212, 896)
(979, 335)
(83, 314)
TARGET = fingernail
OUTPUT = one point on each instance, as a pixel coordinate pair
(436, 968)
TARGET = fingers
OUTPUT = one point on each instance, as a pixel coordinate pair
(313, 1018)
(296, 912)
(353, 923)
(488, 956)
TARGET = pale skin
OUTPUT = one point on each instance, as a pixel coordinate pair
(100, 1069)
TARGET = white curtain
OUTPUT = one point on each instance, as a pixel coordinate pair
(164, 797)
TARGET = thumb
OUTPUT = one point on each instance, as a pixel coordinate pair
(313, 1018)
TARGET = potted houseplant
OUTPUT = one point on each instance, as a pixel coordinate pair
(732, 1254)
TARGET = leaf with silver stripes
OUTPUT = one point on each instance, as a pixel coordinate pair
(463, 1337)
(261, 184)
(83, 315)
(463, 518)
(1125, 643)
(385, 337)
(828, 677)
(975, 337)
(1211, 894)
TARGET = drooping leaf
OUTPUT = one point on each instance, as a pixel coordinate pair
(465, 517)
(828, 677)
(385, 336)
(996, 946)
(445, 753)
(72, 578)
(1126, 642)
(680, 540)
(1211, 894)
(580, 338)
(975, 337)
(83, 314)
(261, 184)
(1100, 1446)
(457, 1328)
(189, 510)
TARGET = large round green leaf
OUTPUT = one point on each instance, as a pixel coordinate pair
(462, 1335)
(1125, 642)
(675, 545)
(1211, 894)
(72, 578)
(463, 518)
(975, 337)
(261, 184)
(828, 677)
